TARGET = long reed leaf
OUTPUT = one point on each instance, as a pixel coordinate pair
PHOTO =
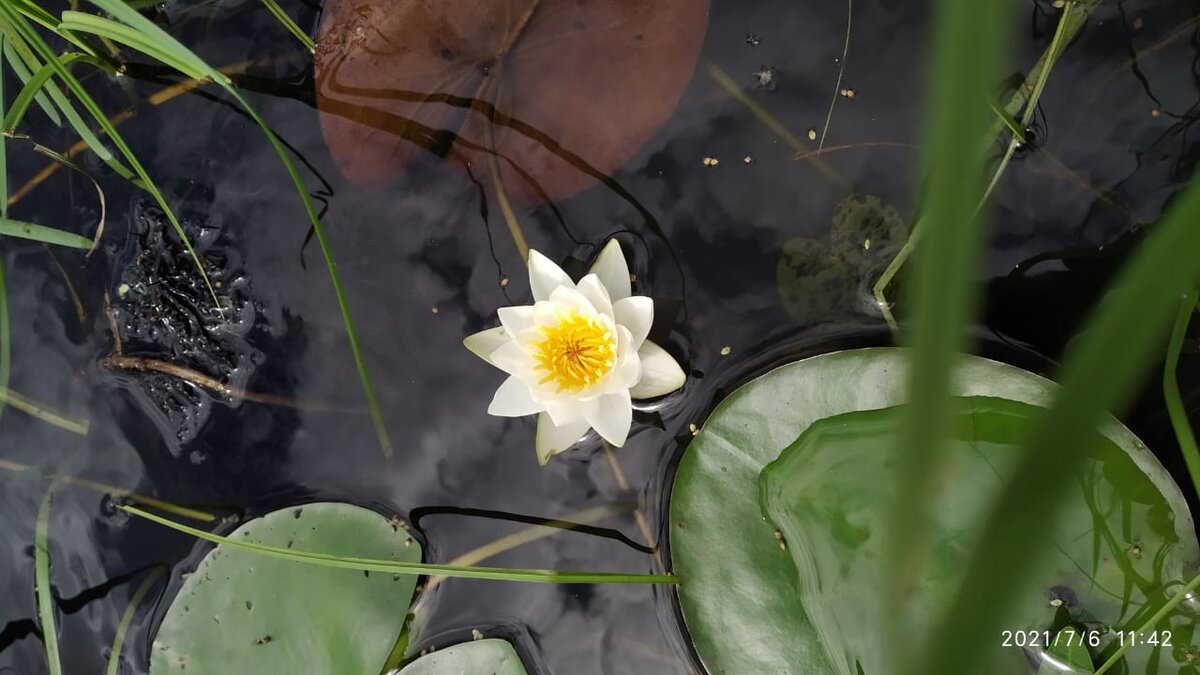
(1174, 400)
(33, 87)
(965, 61)
(1130, 323)
(43, 590)
(27, 32)
(16, 63)
(291, 27)
(47, 235)
(114, 654)
(394, 567)
(164, 42)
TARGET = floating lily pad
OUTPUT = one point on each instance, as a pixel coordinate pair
(829, 495)
(481, 657)
(562, 92)
(819, 282)
(241, 613)
(743, 600)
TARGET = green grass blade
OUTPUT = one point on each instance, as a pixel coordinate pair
(16, 62)
(1175, 408)
(106, 126)
(1131, 322)
(5, 338)
(1149, 624)
(394, 567)
(114, 656)
(47, 235)
(3, 140)
(46, 20)
(119, 32)
(965, 61)
(45, 594)
(283, 18)
(34, 86)
(22, 36)
(144, 25)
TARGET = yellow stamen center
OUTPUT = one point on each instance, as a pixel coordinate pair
(576, 352)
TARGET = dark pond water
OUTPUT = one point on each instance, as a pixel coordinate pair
(423, 268)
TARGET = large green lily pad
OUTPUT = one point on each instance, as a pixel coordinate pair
(241, 613)
(829, 493)
(742, 598)
(481, 657)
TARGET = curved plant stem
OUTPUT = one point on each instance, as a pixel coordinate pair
(114, 656)
(394, 567)
(526, 536)
(106, 489)
(771, 122)
(42, 412)
(45, 594)
(837, 88)
(638, 517)
(1075, 12)
(1149, 624)
(1175, 408)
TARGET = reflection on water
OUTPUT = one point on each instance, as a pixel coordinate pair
(427, 260)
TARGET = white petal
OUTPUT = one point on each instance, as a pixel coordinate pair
(628, 368)
(661, 375)
(484, 343)
(569, 297)
(613, 271)
(612, 417)
(545, 276)
(565, 410)
(553, 439)
(514, 360)
(591, 288)
(637, 314)
(512, 400)
(516, 319)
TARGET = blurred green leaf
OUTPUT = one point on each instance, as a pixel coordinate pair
(968, 39)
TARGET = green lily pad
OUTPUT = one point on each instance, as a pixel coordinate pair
(744, 602)
(241, 613)
(490, 657)
(829, 493)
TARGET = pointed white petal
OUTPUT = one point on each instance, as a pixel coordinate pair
(512, 400)
(545, 276)
(661, 374)
(612, 417)
(567, 409)
(553, 439)
(569, 297)
(637, 314)
(591, 288)
(484, 343)
(514, 360)
(516, 319)
(613, 271)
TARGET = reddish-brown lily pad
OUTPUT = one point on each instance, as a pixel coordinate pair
(564, 91)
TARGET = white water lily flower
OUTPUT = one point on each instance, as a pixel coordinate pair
(579, 355)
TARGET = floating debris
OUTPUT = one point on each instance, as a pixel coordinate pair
(711, 161)
(767, 78)
(434, 309)
(726, 350)
(748, 159)
(503, 282)
(753, 40)
(812, 134)
(693, 428)
(847, 93)
(476, 635)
